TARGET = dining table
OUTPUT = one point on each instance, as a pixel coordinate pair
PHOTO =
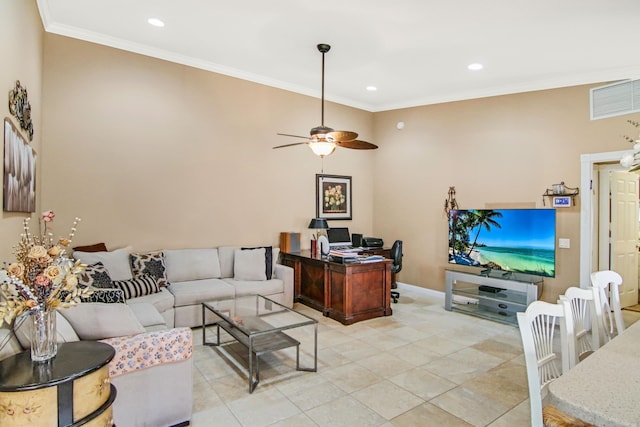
(604, 388)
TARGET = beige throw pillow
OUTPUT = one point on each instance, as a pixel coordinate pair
(249, 264)
(116, 262)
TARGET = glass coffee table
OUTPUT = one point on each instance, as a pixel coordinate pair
(259, 323)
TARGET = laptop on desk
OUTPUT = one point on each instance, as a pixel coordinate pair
(339, 238)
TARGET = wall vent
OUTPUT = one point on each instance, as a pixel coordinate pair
(615, 99)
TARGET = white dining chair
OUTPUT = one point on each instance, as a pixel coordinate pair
(608, 283)
(545, 360)
(587, 316)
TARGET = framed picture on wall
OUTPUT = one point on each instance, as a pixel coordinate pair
(333, 197)
(19, 193)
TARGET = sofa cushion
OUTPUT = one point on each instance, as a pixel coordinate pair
(253, 287)
(199, 291)
(24, 324)
(162, 301)
(191, 264)
(116, 262)
(138, 286)
(268, 259)
(149, 263)
(93, 321)
(148, 316)
(95, 275)
(225, 254)
(249, 264)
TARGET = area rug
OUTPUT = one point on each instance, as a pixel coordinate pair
(633, 308)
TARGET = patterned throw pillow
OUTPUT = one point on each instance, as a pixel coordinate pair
(151, 263)
(138, 286)
(95, 275)
(106, 296)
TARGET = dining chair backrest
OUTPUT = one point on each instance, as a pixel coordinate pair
(587, 316)
(608, 283)
(545, 360)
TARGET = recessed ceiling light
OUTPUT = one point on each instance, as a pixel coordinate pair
(372, 88)
(155, 22)
(475, 66)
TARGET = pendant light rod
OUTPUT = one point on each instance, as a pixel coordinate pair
(323, 48)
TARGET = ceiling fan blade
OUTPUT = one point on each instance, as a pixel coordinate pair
(291, 145)
(342, 135)
(357, 145)
(294, 136)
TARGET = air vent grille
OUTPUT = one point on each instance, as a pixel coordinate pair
(615, 99)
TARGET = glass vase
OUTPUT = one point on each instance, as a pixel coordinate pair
(44, 345)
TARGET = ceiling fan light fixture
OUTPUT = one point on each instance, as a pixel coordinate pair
(322, 148)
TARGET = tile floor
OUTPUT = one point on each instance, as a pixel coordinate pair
(423, 366)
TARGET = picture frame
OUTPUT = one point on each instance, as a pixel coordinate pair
(333, 197)
(19, 183)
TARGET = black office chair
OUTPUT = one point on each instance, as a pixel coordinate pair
(396, 266)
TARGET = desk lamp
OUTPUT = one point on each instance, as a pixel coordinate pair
(322, 243)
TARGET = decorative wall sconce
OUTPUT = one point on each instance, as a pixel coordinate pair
(20, 108)
(450, 202)
(561, 196)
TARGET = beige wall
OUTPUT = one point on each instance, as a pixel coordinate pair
(21, 53)
(159, 155)
(497, 151)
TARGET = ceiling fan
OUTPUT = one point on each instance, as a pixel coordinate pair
(323, 140)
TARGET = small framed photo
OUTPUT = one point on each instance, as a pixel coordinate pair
(333, 197)
(561, 201)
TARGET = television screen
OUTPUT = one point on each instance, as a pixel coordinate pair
(516, 240)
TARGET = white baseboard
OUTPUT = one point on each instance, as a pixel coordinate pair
(426, 291)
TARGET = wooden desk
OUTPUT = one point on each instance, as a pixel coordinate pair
(347, 293)
(603, 389)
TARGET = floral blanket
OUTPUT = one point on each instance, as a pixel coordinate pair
(142, 351)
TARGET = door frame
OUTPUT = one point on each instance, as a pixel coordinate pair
(587, 170)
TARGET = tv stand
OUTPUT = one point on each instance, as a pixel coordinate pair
(492, 294)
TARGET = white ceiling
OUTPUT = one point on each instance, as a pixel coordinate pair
(415, 52)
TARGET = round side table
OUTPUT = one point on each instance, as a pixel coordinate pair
(72, 389)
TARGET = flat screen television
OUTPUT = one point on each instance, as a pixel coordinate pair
(513, 240)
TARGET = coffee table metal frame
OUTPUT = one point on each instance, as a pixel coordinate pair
(260, 337)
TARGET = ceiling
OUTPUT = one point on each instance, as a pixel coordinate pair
(415, 52)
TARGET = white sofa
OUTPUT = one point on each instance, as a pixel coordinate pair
(159, 395)
(194, 276)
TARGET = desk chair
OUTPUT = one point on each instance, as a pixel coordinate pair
(537, 327)
(396, 266)
(607, 283)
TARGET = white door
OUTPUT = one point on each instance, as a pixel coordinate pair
(623, 231)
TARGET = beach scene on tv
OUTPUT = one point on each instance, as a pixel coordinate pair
(514, 240)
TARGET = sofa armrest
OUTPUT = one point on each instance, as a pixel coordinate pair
(142, 351)
(285, 274)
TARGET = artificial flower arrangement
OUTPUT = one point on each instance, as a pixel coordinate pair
(334, 198)
(43, 277)
(632, 160)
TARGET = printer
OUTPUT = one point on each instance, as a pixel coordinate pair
(372, 242)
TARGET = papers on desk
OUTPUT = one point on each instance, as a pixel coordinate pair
(372, 258)
(350, 257)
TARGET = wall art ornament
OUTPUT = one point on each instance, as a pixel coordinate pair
(20, 108)
(19, 171)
